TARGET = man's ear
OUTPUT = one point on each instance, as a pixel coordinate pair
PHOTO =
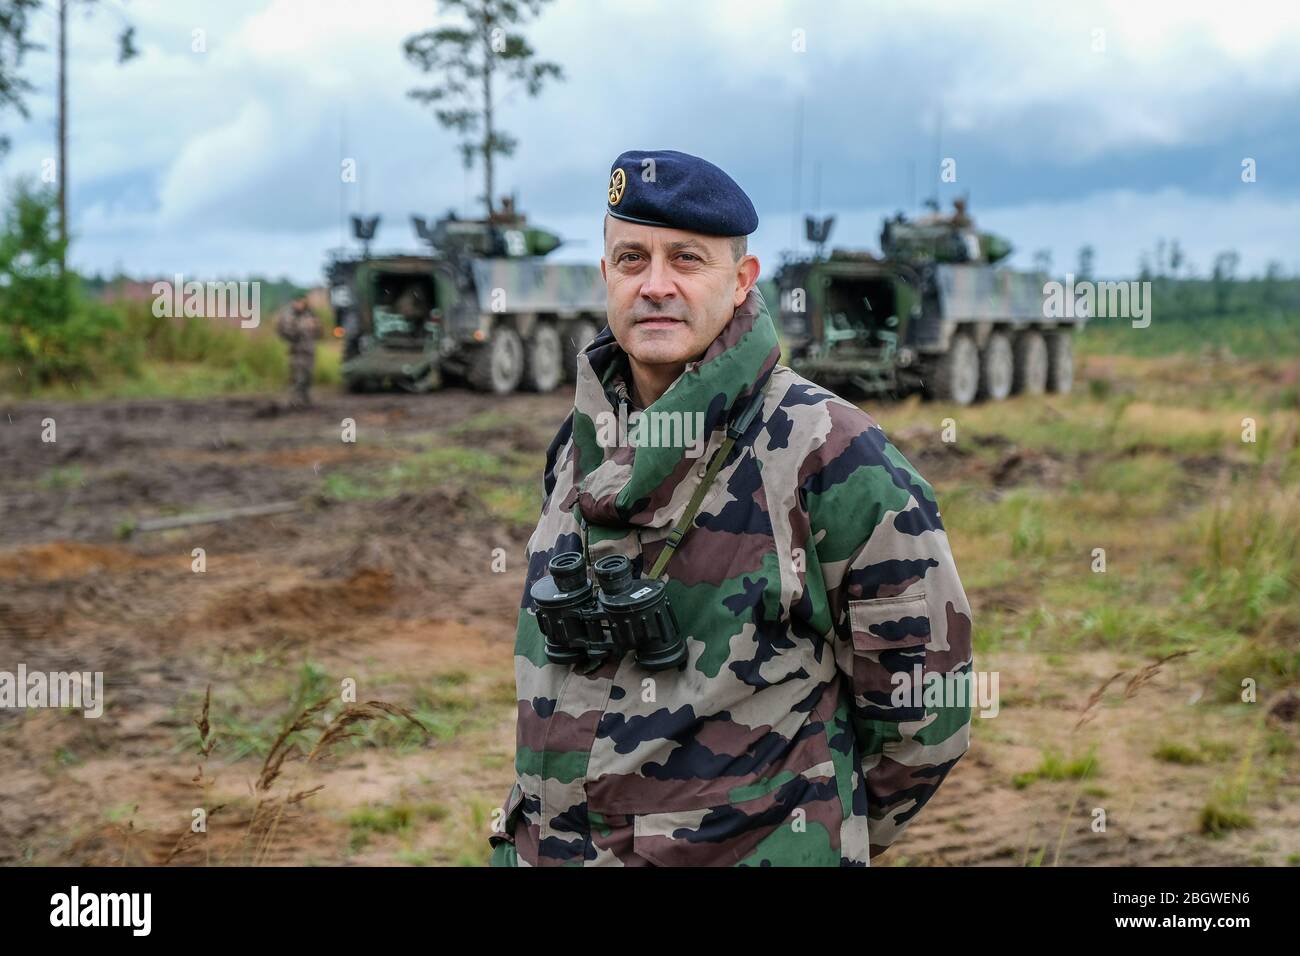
(747, 270)
(602, 270)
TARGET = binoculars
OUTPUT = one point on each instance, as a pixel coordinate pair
(595, 622)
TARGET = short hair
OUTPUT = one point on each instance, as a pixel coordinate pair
(739, 244)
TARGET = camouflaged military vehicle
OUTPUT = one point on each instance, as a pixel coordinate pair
(483, 306)
(384, 307)
(932, 314)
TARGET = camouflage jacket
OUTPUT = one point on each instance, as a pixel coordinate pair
(299, 329)
(816, 568)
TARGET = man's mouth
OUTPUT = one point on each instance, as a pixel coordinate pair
(659, 322)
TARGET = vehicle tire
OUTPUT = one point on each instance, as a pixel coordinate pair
(1030, 376)
(577, 336)
(1060, 362)
(544, 359)
(499, 365)
(996, 368)
(357, 385)
(956, 377)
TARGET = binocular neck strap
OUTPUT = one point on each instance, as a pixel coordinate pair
(684, 523)
(582, 523)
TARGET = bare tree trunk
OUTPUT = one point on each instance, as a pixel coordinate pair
(63, 133)
(487, 111)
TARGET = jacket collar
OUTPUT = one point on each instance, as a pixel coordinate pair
(621, 482)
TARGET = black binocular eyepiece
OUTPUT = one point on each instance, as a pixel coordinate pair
(619, 613)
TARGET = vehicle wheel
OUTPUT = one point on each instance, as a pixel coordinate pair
(578, 335)
(499, 365)
(1031, 364)
(357, 385)
(1060, 362)
(996, 368)
(544, 364)
(956, 377)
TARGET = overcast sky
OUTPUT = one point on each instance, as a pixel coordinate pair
(1109, 124)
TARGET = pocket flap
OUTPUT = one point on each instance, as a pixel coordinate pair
(889, 623)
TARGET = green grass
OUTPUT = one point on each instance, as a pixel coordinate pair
(488, 421)
(411, 857)
(62, 479)
(151, 357)
(1171, 752)
(462, 840)
(258, 373)
(449, 704)
(465, 843)
(448, 466)
(1055, 766)
(271, 694)
(1254, 334)
(1225, 811)
(1196, 526)
(119, 813)
(1202, 752)
(394, 818)
(249, 724)
(506, 483)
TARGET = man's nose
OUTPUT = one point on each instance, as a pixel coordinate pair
(658, 283)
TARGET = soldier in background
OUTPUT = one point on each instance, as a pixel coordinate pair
(410, 306)
(298, 326)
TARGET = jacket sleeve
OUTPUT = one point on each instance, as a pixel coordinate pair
(901, 620)
(282, 323)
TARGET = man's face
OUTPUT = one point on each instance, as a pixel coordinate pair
(670, 292)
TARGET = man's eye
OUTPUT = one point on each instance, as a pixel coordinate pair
(628, 255)
(689, 256)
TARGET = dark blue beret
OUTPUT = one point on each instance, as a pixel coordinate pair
(679, 191)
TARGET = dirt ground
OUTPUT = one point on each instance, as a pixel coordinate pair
(404, 594)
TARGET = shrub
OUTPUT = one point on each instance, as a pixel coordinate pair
(48, 329)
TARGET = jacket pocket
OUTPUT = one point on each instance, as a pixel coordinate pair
(795, 823)
(889, 655)
(511, 811)
(682, 838)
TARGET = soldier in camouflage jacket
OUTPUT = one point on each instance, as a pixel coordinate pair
(298, 326)
(816, 575)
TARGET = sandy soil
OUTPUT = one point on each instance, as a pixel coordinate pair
(399, 594)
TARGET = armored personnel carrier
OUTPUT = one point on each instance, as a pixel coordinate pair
(933, 313)
(483, 305)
